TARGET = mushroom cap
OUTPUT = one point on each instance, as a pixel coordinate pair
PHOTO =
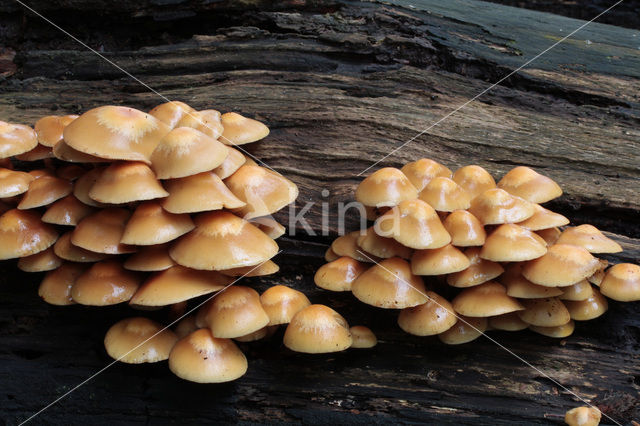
(559, 331)
(150, 259)
(235, 312)
(40, 152)
(125, 182)
(177, 284)
(520, 287)
(589, 237)
(265, 268)
(102, 231)
(38, 173)
(239, 130)
(507, 322)
(139, 340)
(49, 129)
(67, 211)
(170, 113)
(372, 213)
(64, 249)
(13, 182)
(202, 358)
(435, 316)
(186, 326)
(597, 277)
(621, 282)
(116, 133)
(444, 195)
(256, 335)
(390, 285)
(414, 224)
(591, 308)
(317, 329)
(62, 151)
(221, 241)
(269, 226)
(464, 330)
(479, 270)
(55, 288)
(150, 224)
(202, 192)
(330, 255)
(281, 303)
(579, 291)
(440, 261)
(474, 180)
(70, 172)
(543, 219)
(362, 337)
(583, 416)
(526, 183)
(385, 187)
(561, 266)
(45, 260)
(496, 206)
(422, 171)
(339, 274)
(22, 233)
(263, 191)
(83, 185)
(16, 139)
(382, 247)
(184, 152)
(512, 243)
(485, 300)
(105, 283)
(206, 121)
(44, 191)
(465, 229)
(347, 245)
(548, 312)
(231, 163)
(550, 235)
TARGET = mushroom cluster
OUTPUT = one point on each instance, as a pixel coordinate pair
(154, 209)
(492, 256)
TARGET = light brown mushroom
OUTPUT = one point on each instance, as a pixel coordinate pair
(548, 312)
(526, 183)
(362, 337)
(45, 260)
(339, 274)
(444, 195)
(317, 329)
(440, 261)
(139, 340)
(239, 130)
(55, 288)
(474, 179)
(561, 266)
(67, 211)
(150, 224)
(435, 316)
(558, 332)
(507, 322)
(520, 287)
(381, 247)
(105, 283)
(40, 152)
(622, 282)
(269, 226)
(49, 129)
(233, 162)
(22, 233)
(281, 303)
(62, 151)
(583, 416)
(101, 232)
(386, 187)
(150, 259)
(550, 235)
(170, 113)
(84, 184)
(13, 182)
(581, 290)
(65, 249)
(464, 330)
(16, 139)
(422, 171)
(265, 268)
(512, 243)
(465, 229)
(496, 206)
(543, 219)
(235, 312)
(589, 237)
(125, 182)
(347, 245)
(199, 193)
(485, 300)
(588, 309)
(478, 272)
(207, 121)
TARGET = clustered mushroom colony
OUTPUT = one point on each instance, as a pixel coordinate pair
(501, 259)
(155, 209)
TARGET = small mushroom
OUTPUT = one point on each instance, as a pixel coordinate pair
(512, 243)
(330, 255)
(139, 340)
(622, 282)
(101, 232)
(16, 139)
(550, 235)
(45, 191)
(70, 172)
(235, 312)
(589, 237)
(549, 312)
(260, 270)
(444, 195)
(507, 322)
(269, 226)
(62, 151)
(464, 330)
(150, 224)
(520, 287)
(597, 277)
(170, 113)
(581, 290)
(435, 316)
(440, 261)
(317, 329)
(386, 187)
(40, 152)
(588, 309)
(339, 274)
(239, 130)
(207, 121)
(558, 332)
(199, 193)
(362, 337)
(496, 206)
(13, 182)
(105, 283)
(125, 182)
(526, 183)
(49, 129)
(65, 249)
(347, 245)
(543, 219)
(55, 288)
(478, 272)
(485, 300)
(45, 260)
(474, 179)
(421, 172)
(233, 162)
(22, 233)
(382, 247)
(67, 211)
(465, 229)
(150, 259)
(561, 266)
(84, 184)
(281, 303)
(583, 416)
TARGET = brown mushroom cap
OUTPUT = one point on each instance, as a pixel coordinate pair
(622, 282)
(16, 139)
(583, 416)
(485, 300)
(507, 322)
(177, 284)
(64, 152)
(478, 272)
(317, 329)
(22, 233)
(116, 133)
(150, 259)
(38, 173)
(235, 312)
(44, 191)
(347, 245)
(239, 130)
(474, 180)
(105, 283)
(559, 331)
(269, 226)
(263, 191)
(40, 152)
(440, 261)
(591, 308)
(83, 185)
(64, 249)
(549, 312)
(150, 224)
(526, 183)
(198, 193)
(496, 206)
(70, 172)
(206, 121)
(597, 277)
(202, 358)
(543, 219)
(67, 211)
(55, 288)
(390, 285)
(561, 266)
(45, 260)
(184, 152)
(281, 303)
(49, 129)
(13, 182)
(139, 340)
(465, 229)
(362, 337)
(101, 232)
(124, 182)
(231, 163)
(433, 317)
(422, 171)
(579, 291)
(382, 247)
(265, 268)
(444, 195)
(589, 237)
(520, 287)
(464, 330)
(385, 187)
(339, 274)
(222, 240)
(550, 235)
(414, 224)
(170, 113)
(512, 243)
(330, 255)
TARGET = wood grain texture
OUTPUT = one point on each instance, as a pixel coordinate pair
(341, 85)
